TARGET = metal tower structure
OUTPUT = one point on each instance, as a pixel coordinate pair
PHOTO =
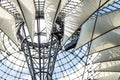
(41, 57)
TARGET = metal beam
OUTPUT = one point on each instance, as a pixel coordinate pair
(30, 57)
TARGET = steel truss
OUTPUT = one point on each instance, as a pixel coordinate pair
(40, 58)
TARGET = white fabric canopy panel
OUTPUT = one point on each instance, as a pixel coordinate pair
(108, 55)
(7, 25)
(107, 76)
(108, 58)
(108, 40)
(63, 2)
(104, 24)
(111, 66)
(78, 15)
(51, 11)
(52, 8)
(27, 10)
